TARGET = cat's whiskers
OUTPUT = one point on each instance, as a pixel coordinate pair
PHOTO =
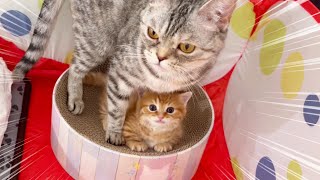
(133, 55)
(187, 81)
(136, 55)
(130, 57)
(128, 47)
(192, 77)
(185, 71)
(189, 88)
(131, 51)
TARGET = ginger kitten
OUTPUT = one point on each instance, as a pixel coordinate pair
(155, 121)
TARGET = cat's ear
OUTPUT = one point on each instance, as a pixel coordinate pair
(186, 97)
(217, 13)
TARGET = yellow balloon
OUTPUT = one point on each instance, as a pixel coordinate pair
(272, 47)
(294, 171)
(243, 20)
(236, 169)
(292, 75)
(40, 3)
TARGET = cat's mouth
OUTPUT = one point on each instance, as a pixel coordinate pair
(160, 122)
(160, 68)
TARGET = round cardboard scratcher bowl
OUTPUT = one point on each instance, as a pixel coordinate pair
(79, 145)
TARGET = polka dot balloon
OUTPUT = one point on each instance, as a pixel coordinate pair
(18, 18)
(265, 169)
(311, 110)
(272, 106)
(15, 22)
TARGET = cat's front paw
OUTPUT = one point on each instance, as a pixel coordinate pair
(163, 147)
(75, 105)
(114, 138)
(137, 146)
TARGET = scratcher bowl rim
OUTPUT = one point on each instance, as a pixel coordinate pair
(204, 138)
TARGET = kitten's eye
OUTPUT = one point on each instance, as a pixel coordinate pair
(153, 107)
(186, 48)
(170, 110)
(152, 34)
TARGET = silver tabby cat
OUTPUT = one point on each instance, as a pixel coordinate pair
(162, 45)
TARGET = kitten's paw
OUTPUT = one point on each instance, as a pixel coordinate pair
(163, 147)
(137, 146)
(115, 138)
(75, 106)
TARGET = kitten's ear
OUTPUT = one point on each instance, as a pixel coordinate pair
(186, 97)
(217, 13)
(140, 92)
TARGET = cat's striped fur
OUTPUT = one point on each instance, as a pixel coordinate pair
(114, 33)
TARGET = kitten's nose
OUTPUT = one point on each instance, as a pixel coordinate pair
(160, 118)
(161, 58)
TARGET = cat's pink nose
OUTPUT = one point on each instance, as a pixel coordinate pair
(161, 58)
(160, 118)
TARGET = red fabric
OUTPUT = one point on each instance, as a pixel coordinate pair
(312, 9)
(43, 164)
(38, 158)
(260, 7)
(215, 162)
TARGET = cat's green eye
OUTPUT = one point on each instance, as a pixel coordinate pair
(186, 48)
(152, 34)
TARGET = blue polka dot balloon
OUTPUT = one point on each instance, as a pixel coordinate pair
(15, 22)
(265, 170)
(311, 110)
